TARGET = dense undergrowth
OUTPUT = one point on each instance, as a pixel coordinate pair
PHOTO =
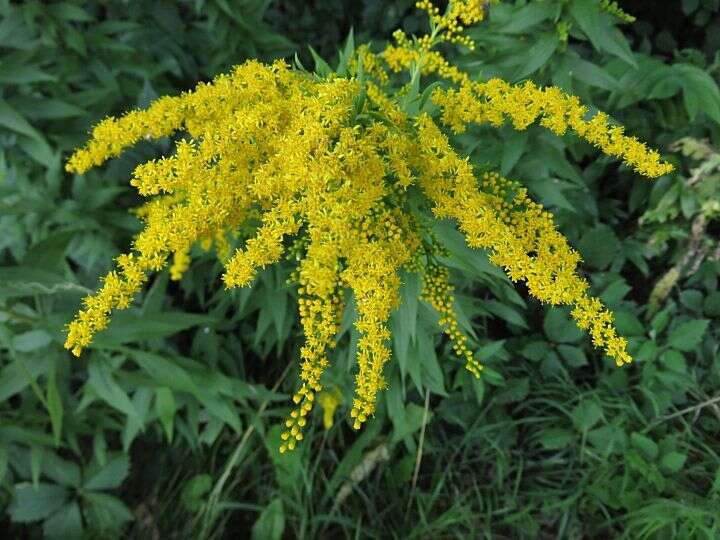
(170, 427)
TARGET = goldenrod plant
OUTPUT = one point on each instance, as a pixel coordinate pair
(347, 170)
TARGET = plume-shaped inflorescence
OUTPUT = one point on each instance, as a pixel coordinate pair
(326, 167)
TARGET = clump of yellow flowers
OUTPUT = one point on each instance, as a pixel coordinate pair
(326, 167)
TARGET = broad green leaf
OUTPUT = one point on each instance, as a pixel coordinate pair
(408, 310)
(505, 312)
(321, 66)
(536, 350)
(32, 503)
(17, 281)
(195, 490)
(104, 385)
(165, 409)
(599, 246)
(647, 446)
(674, 361)
(55, 407)
(414, 414)
(711, 305)
(18, 374)
(614, 293)
(473, 261)
(586, 414)
(608, 439)
(27, 74)
(49, 254)
(556, 438)
(540, 52)
(628, 324)
(270, 525)
(146, 96)
(598, 28)
(65, 523)
(37, 457)
(221, 408)
(688, 335)
(24, 435)
(164, 371)
(551, 192)
(346, 54)
(12, 120)
(422, 351)
(141, 400)
(288, 466)
(513, 149)
(560, 328)
(526, 17)
(40, 151)
(100, 448)
(700, 91)
(478, 388)
(31, 341)
(692, 299)
(110, 476)
(69, 12)
(589, 73)
(61, 471)
(492, 376)
(574, 356)
(515, 390)
(489, 350)
(105, 512)
(673, 461)
(132, 326)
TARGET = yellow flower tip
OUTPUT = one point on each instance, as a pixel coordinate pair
(283, 448)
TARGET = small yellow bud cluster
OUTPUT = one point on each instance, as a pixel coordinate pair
(563, 31)
(180, 264)
(450, 27)
(612, 7)
(438, 292)
(371, 63)
(320, 319)
(432, 10)
(329, 401)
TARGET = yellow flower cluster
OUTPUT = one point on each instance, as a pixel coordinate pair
(272, 162)
(495, 101)
(521, 236)
(438, 291)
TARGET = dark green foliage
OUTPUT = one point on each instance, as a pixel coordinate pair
(169, 425)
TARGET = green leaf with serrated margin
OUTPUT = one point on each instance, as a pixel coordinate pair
(688, 335)
(270, 525)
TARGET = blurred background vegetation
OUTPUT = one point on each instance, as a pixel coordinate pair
(168, 428)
